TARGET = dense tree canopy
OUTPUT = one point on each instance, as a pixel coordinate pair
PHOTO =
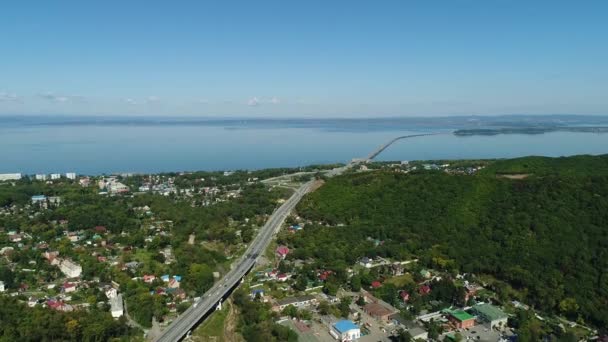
(20, 323)
(545, 231)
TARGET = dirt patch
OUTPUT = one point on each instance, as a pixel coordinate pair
(302, 326)
(515, 176)
(230, 324)
(317, 184)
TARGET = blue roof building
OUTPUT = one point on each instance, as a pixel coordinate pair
(38, 198)
(345, 330)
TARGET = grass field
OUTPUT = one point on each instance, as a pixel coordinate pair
(401, 280)
(213, 328)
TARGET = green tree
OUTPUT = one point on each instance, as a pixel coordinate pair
(199, 278)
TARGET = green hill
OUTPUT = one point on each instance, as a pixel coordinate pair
(545, 234)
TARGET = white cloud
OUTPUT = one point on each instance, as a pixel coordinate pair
(256, 101)
(60, 98)
(152, 99)
(130, 101)
(9, 97)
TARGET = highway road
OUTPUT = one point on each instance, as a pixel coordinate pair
(184, 323)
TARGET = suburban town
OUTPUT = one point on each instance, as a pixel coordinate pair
(144, 272)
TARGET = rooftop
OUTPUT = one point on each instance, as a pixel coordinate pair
(375, 309)
(489, 311)
(460, 315)
(293, 300)
(345, 325)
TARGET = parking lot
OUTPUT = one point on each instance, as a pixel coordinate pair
(478, 333)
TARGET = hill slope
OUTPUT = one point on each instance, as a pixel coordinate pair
(545, 234)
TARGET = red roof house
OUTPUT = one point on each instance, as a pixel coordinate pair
(324, 275)
(424, 290)
(100, 229)
(282, 251)
(376, 284)
(148, 278)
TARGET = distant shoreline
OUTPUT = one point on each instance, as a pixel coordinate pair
(529, 130)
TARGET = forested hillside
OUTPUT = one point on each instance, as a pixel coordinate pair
(545, 233)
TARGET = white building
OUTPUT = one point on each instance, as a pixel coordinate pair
(2, 289)
(111, 293)
(116, 305)
(345, 330)
(41, 177)
(9, 176)
(70, 268)
(70, 175)
(366, 262)
(54, 200)
(55, 176)
(117, 187)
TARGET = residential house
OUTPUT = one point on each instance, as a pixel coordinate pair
(68, 287)
(282, 252)
(424, 290)
(17, 237)
(425, 274)
(70, 268)
(396, 269)
(257, 293)
(100, 229)
(2, 288)
(131, 265)
(366, 262)
(404, 295)
(324, 275)
(111, 293)
(148, 278)
(59, 305)
(116, 306)
(471, 290)
(84, 182)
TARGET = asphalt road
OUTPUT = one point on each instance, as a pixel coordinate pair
(184, 323)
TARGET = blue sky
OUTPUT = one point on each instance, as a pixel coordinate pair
(304, 58)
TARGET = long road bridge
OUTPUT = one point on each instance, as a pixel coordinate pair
(212, 299)
(385, 146)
